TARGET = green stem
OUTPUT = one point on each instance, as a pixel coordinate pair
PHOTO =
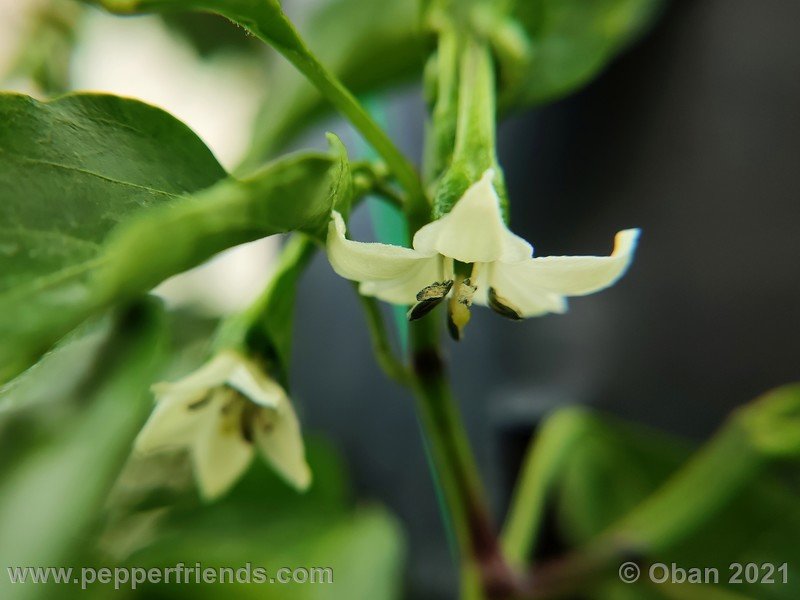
(484, 573)
(341, 98)
(371, 178)
(381, 346)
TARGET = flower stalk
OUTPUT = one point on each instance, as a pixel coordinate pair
(484, 573)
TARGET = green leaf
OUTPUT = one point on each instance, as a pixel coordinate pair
(73, 168)
(264, 17)
(104, 198)
(729, 502)
(609, 471)
(52, 497)
(266, 20)
(573, 450)
(363, 551)
(69, 363)
(212, 35)
(267, 524)
(569, 42)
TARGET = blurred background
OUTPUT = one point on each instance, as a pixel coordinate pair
(692, 134)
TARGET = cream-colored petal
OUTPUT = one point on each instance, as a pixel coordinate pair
(231, 368)
(404, 291)
(247, 378)
(172, 424)
(473, 231)
(519, 293)
(220, 455)
(212, 374)
(361, 261)
(278, 436)
(579, 275)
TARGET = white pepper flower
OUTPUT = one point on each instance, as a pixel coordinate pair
(221, 413)
(470, 256)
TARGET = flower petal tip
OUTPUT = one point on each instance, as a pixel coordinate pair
(625, 241)
(302, 481)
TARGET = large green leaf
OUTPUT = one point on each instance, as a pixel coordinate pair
(52, 496)
(72, 169)
(570, 42)
(104, 197)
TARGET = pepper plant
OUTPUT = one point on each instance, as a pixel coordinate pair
(105, 197)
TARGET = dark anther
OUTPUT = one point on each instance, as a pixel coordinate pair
(436, 290)
(420, 309)
(502, 307)
(429, 298)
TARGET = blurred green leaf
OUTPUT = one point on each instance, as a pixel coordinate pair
(128, 181)
(729, 502)
(52, 497)
(266, 20)
(569, 43)
(609, 471)
(573, 450)
(267, 524)
(68, 363)
(362, 549)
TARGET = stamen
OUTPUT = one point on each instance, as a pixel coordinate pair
(429, 298)
(503, 307)
(448, 269)
(474, 274)
(436, 290)
(458, 314)
(465, 292)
